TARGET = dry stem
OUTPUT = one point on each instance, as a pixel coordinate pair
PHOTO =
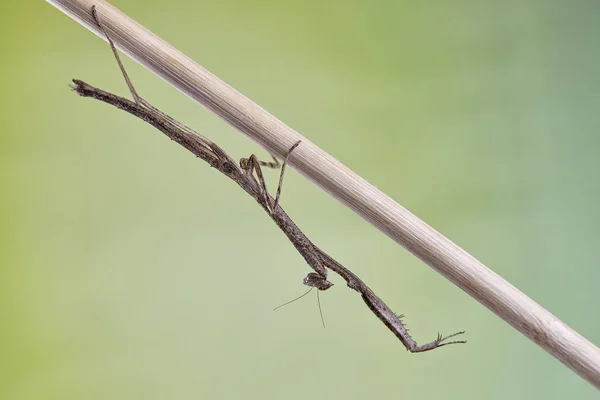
(381, 211)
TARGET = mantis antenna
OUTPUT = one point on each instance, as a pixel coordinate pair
(299, 297)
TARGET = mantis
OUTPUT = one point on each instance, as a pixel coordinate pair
(247, 173)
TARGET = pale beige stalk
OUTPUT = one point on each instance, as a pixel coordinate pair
(373, 205)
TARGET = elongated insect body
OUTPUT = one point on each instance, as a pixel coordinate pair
(243, 175)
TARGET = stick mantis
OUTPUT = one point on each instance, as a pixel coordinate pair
(248, 175)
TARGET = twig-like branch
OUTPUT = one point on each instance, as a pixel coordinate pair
(440, 253)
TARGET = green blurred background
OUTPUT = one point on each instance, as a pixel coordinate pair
(131, 270)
